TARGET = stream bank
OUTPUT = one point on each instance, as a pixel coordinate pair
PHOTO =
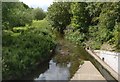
(65, 62)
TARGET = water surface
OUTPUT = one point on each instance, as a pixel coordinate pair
(55, 72)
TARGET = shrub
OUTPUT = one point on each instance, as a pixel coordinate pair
(76, 36)
(21, 53)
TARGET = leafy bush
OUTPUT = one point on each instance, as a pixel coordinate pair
(96, 45)
(75, 66)
(20, 29)
(75, 36)
(22, 52)
(44, 27)
(116, 34)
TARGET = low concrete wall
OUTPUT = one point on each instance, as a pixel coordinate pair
(111, 58)
(107, 52)
(106, 66)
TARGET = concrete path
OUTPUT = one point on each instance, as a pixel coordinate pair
(113, 73)
(87, 72)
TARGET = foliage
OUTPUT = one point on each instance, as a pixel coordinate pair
(75, 66)
(59, 15)
(75, 36)
(107, 18)
(94, 9)
(41, 24)
(23, 49)
(26, 42)
(15, 14)
(117, 36)
(39, 14)
(79, 23)
(20, 29)
(80, 16)
(45, 27)
(97, 23)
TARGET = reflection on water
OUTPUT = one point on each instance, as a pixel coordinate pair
(55, 72)
(35, 73)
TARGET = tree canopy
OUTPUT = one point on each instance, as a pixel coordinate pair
(15, 14)
(59, 15)
(80, 18)
(39, 14)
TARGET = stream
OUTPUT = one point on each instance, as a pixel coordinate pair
(60, 68)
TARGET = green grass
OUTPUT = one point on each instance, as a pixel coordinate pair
(40, 24)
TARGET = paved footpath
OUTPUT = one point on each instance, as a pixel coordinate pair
(87, 72)
(113, 73)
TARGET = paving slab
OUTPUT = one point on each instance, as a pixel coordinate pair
(87, 72)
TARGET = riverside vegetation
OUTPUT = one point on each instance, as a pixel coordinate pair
(26, 41)
(93, 24)
(29, 35)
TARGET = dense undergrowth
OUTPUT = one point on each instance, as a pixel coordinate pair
(24, 48)
(75, 37)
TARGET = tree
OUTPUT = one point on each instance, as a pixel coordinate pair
(80, 19)
(59, 15)
(94, 10)
(39, 14)
(15, 14)
(108, 16)
(105, 19)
